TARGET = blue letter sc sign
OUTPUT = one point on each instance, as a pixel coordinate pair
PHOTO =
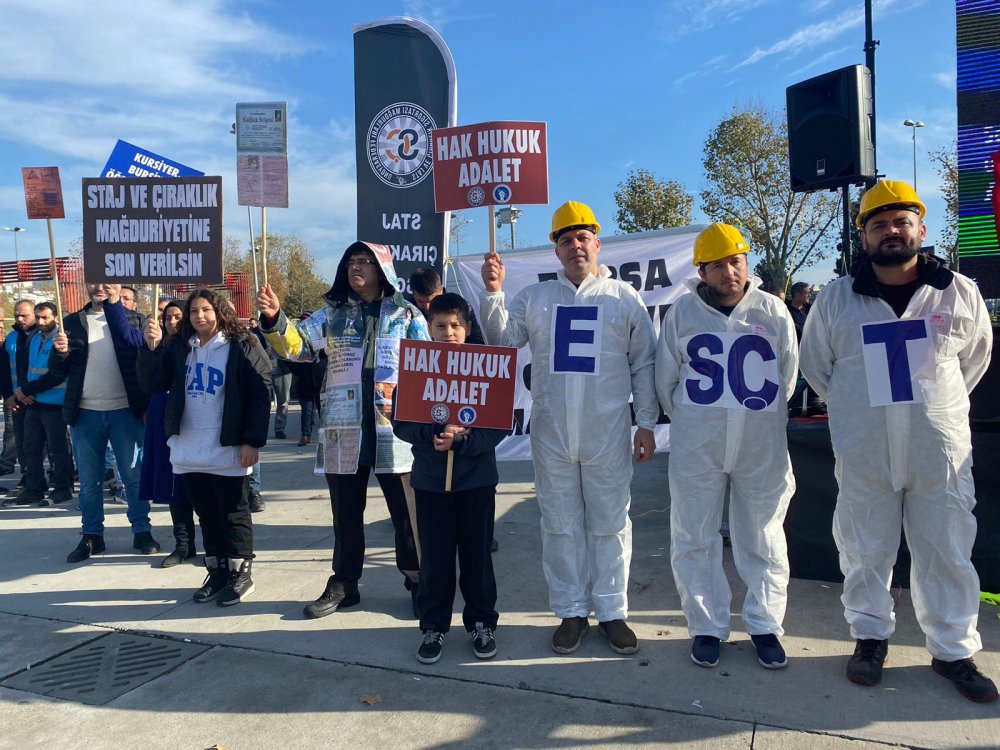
(733, 371)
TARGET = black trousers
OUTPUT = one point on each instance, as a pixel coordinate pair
(224, 514)
(45, 427)
(13, 439)
(348, 497)
(451, 522)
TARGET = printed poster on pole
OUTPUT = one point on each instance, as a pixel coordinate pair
(43, 196)
(262, 154)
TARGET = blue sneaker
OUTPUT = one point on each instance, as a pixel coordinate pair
(770, 654)
(705, 651)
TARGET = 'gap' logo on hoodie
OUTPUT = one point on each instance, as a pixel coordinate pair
(203, 378)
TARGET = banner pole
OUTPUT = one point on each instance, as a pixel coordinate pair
(253, 251)
(263, 242)
(449, 471)
(493, 231)
(55, 274)
(156, 302)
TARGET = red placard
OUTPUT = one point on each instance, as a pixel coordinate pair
(464, 384)
(43, 193)
(490, 164)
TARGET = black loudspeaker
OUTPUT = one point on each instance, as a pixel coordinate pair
(829, 130)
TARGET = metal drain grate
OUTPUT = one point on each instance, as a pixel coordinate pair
(100, 671)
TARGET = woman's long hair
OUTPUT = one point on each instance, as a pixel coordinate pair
(225, 317)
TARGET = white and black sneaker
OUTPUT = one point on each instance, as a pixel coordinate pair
(215, 581)
(483, 643)
(239, 584)
(430, 648)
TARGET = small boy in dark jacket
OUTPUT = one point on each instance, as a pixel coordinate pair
(461, 519)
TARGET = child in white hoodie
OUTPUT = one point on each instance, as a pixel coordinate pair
(216, 419)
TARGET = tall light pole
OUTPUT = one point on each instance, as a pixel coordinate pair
(17, 259)
(509, 216)
(914, 124)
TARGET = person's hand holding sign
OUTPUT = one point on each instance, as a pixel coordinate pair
(152, 332)
(113, 292)
(60, 342)
(267, 302)
(493, 272)
(446, 440)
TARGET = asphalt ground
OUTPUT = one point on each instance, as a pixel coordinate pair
(139, 665)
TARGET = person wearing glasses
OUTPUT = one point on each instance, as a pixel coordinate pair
(358, 330)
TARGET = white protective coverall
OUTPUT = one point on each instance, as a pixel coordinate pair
(712, 444)
(591, 348)
(904, 464)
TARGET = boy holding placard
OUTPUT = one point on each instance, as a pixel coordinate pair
(459, 519)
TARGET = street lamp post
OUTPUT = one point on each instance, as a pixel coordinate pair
(914, 124)
(17, 259)
(509, 216)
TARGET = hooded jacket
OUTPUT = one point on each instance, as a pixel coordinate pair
(247, 402)
(337, 329)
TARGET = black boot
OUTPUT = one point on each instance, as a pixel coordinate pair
(239, 584)
(215, 581)
(184, 546)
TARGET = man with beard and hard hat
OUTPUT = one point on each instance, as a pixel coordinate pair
(726, 363)
(592, 346)
(358, 330)
(895, 351)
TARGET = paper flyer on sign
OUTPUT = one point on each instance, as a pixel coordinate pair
(342, 405)
(43, 196)
(262, 180)
(338, 444)
(386, 360)
(344, 361)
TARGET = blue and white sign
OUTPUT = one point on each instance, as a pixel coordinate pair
(576, 339)
(127, 160)
(732, 371)
(900, 364)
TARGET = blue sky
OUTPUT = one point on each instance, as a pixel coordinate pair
(621, 85)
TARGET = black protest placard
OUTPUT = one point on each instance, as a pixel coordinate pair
(152, 230)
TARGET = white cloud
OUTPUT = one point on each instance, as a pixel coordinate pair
(808, 37)
(693, 16)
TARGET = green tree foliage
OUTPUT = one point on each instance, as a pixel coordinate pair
(945, 161)
(291, 271)
(746, 170)
(645, 202)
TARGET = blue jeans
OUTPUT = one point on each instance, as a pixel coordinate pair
(91, 433)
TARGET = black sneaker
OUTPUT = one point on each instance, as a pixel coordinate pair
(144, 543)
(91, 544)
(256, 502)
(430, 648)
(484, 645)
(770, 654)
(239, 584)
(969, 681)
(705, 651)
(215, 581)
(279, 436)
(330, 601)
(865, 666)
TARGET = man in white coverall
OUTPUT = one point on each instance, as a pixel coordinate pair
(895, 351)
(592, 345)
(726, 364)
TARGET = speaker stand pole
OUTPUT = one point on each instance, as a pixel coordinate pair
(847, 253)
(870, 45)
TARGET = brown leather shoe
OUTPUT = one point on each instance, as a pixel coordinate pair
(304, 440)
(620, 636)
(568, 635)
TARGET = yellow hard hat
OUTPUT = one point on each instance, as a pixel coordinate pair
(717, 242)
(573, 214)
(888, 194)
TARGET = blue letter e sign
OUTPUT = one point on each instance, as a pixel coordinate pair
(576, 339)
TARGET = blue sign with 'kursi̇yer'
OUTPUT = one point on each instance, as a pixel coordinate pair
(127, 160)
